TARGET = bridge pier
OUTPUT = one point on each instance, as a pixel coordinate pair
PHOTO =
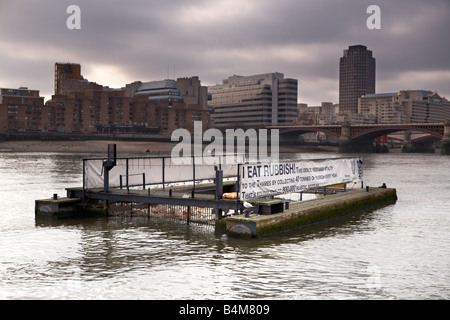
(380, 147)
(289, 139)
(345, 145)
(445, 145)
(407, 146)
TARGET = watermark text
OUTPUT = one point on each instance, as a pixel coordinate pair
(374, 21)
(235, 144)
(74, 20)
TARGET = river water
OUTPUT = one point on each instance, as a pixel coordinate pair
(398, 252)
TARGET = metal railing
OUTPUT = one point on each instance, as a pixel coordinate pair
(154, 171)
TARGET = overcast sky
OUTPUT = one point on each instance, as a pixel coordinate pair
(124, 41)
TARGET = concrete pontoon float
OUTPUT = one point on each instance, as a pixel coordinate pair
(193, 191)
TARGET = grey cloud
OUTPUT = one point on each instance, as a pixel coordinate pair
(145, 38)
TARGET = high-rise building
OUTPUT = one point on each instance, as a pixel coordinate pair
(254, 101)
(356, 77)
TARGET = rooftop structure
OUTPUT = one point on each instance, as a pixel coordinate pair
(164, 90)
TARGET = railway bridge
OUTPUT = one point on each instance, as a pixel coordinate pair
(357, 136)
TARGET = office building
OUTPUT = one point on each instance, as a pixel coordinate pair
(356, 77)
(186, 90)
(164, 90)
(382, 108)
(405, 106)
(193, 92)
(169, 104)
(254, 101)
(323, 114)
(423, 106)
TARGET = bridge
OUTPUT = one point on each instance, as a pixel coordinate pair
(354, 138)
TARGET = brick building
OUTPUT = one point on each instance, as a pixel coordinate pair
(88, 110)
(21, 110)
(80, 106)
(168, 116)
(68, 78)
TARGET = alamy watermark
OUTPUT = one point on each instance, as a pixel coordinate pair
(374, 21)
(74, 20)
(235, 142)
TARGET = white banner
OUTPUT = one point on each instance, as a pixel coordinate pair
(258, 180)
(156, 171)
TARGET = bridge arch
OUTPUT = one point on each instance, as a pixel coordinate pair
(375, 132)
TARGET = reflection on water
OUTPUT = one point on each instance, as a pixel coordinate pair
(397, 252)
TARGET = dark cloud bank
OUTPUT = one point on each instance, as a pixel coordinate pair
(150, 40)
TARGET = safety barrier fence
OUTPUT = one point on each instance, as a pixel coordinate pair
(157, 171)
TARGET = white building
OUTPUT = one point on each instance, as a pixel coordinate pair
(254, 101)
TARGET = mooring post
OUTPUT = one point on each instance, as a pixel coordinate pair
(127, 173)
(236, 187)
(143, 180)
(219, 190)
(219, 184)
(193, 172)
(108, 165)
(163, 168)
(105, 178)
(84, 181)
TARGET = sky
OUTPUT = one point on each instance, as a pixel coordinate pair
(144, 40)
